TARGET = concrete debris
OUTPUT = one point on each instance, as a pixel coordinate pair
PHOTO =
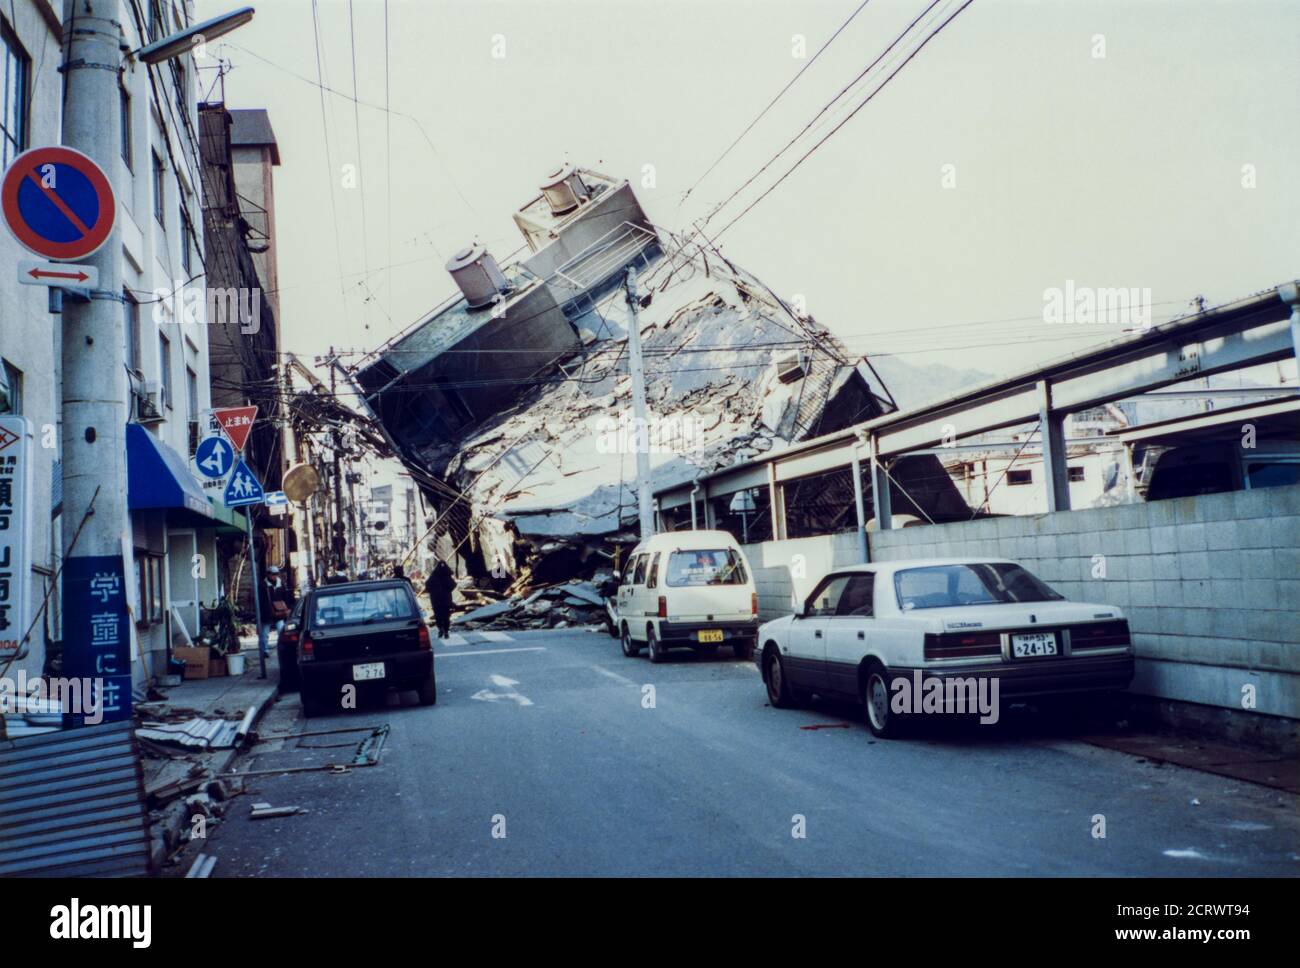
(264, 811)
(553, 606)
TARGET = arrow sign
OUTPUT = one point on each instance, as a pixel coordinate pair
(214, 456)
(237, 422)
(57, 274)
(275, 499)
(508, 685)
(244, 488)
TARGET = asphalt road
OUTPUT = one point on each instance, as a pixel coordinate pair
(542, 758)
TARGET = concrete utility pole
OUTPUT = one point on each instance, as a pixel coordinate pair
(94, 390)
(336, 537)
(640, 435)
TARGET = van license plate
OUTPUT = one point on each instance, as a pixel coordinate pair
(711, 635)
(367, 670)
(1033, 644)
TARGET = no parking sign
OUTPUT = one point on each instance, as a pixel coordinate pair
(58, 203)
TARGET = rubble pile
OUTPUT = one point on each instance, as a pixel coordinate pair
(573, 604)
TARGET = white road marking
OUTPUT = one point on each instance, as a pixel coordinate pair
(531, 648)
(614, 675)
(509, 692)
(1187, 854)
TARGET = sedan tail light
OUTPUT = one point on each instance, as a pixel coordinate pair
(423, 634)
(1099, 635)
(962, 645)
(663, 606)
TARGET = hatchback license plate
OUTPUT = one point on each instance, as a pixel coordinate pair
(367, 670)
(711, 635)
(1033, 644)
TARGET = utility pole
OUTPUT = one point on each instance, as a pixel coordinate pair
(640, 434)
(336, 538)
(94, 390)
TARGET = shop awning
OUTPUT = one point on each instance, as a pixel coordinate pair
(158, 479)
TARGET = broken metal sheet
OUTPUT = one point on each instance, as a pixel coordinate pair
(195, 733)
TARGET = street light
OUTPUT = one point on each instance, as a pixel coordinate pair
(179, 43)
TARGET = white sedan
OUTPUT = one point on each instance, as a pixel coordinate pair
(940, 636)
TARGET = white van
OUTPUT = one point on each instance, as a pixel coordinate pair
(687, 589)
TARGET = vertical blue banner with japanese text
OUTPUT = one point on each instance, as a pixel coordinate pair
(96, 636)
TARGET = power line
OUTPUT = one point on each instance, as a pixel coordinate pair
(929, 37)
(778, 97)
(361, 180)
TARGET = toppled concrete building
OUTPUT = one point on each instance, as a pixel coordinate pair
(511, 402)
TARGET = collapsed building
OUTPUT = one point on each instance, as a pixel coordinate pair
(510, 402)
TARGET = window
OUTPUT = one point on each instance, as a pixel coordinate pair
(357, 607)
(859, 596)
(826, 599)
(124, 100)
(720, 566)
(1075, 474)
(165, 368)
(1018, 478)
(638, 578)
(191, 395)
(14, 88)
(943, 586)
(131, 330)
(653, 580)
(159, 187)
(186, 238)
(11, 389)
(1274, 473)
(148, 578)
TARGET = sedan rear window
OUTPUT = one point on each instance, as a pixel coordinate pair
(715, 566)
(944, 586)
(361, 606)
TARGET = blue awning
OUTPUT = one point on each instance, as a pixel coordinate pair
(158, 479)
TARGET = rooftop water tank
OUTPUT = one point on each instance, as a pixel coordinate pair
(478, 276)
(564, 189)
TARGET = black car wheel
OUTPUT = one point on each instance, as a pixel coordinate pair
(313, 704)
(429, 691)
(630, 648)
(779, 693)
(288, 658)
(657, 653)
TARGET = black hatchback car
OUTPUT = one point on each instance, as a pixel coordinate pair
(367, 634)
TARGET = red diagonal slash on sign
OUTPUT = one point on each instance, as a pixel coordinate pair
(43, 274)
(59, 203)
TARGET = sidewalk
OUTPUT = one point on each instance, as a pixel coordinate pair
(175, 776)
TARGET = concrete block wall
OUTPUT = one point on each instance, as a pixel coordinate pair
(1210, 584)
(785, 571)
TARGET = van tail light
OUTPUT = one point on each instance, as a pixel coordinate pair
(962, 645)
(423, 634)
(663, 607)
(753, 603)
(306, 648)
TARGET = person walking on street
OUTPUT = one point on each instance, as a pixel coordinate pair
(439, 587)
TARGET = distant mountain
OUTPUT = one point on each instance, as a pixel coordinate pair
(915, 384)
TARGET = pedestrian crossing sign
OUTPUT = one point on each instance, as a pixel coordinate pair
(243, 488)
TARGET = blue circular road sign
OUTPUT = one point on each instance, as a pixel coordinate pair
(214, 456)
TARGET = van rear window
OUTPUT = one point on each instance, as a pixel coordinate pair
(361, 606)
(714, 566)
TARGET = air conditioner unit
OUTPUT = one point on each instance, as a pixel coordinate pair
(790, 366)
(149, 402)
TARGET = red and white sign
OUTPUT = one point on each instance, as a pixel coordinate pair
(15, 534)
(57, 274)
(237, 422)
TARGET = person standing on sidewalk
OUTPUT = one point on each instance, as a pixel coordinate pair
(439, 586)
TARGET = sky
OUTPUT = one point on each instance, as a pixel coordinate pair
(1151, 145)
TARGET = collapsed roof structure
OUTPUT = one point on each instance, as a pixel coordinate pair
(510, 402)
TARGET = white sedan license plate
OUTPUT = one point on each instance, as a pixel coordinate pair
(1031, 644)
(367, 670)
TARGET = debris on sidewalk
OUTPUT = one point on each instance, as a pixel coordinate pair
(195, 733)
(560, 605)
(264, 811)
